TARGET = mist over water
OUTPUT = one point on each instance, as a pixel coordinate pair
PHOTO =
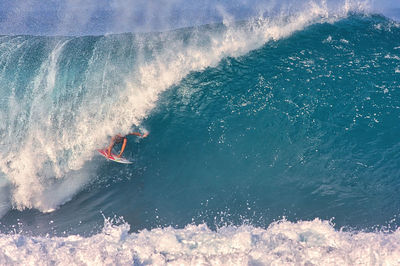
(104, 17)
(273, 112)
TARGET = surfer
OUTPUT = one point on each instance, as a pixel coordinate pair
(120, 138)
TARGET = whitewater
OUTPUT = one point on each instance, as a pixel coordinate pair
(282, 243)
(273, 140)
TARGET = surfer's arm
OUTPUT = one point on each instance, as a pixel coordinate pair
(122, 148)
(139, 134)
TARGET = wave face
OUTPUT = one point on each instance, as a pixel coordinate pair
(62, 97)
(291, 116)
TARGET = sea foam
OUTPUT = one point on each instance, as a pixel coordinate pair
(282, 243)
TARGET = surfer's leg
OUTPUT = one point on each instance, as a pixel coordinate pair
(110, 147)
(123, 147)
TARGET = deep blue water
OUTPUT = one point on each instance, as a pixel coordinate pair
(302, 127)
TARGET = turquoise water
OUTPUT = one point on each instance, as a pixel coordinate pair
(245, 129)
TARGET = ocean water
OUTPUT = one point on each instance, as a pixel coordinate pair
(273, 140)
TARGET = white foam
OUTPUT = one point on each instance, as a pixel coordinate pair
(395, 57)
(282, 243)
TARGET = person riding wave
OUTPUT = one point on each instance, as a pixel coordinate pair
(122, 138)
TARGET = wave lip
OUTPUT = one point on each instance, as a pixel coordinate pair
(282, 243)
